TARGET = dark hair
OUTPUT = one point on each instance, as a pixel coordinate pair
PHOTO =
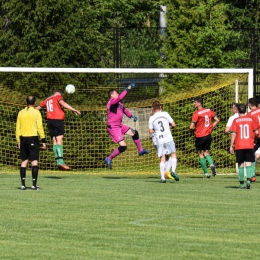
(30, 100)
(57, 90)
(110, 92)
(252, 101)
(235, 104)
(242, 109)
(199, 100)
(156, 105)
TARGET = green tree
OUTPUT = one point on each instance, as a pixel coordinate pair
(66, 33)
(198, 36)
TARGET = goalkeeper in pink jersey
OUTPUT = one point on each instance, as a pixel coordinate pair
(115, 128)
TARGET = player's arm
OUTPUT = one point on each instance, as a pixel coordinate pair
(41, 130)
(216, 121)
(151, 131)
(66, 105)
(192, 126)
(256, 136)
(17, 131)
(227, 130)
(232, 141)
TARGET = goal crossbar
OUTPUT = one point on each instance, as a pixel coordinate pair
(248, 71)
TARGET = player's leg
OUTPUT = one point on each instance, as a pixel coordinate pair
(206, 148)
(135, 136)
(241, 167)
(117, 136)
(161, 151)
(200, 151)
(57, 139)
(168, 166)
(249, 159)
(257, 155)
(24, 155)
(34, 151)
(170, 147)
(162, 161)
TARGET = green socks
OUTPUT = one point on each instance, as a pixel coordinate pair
(209, 159)
(58, 153)
(203, 165)
(241, 176)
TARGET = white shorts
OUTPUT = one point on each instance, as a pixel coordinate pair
(165, 149)
(257, 151)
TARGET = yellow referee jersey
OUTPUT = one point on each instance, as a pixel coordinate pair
(29, 123)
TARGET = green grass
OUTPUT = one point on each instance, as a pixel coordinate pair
(128, 217)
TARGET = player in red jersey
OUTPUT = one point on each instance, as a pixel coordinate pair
(202, 122)
(255, 114)
(243, 135)
(54, 106)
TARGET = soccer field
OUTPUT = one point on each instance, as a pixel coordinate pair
(106, 216)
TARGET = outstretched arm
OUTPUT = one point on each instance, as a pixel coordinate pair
(66, 105)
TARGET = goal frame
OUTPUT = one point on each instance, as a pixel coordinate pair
(162, 71)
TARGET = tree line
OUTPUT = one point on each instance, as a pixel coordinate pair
(81, 33)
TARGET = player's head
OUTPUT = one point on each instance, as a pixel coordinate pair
(57, 91)
(112, 93)
(235, 107)
(241, 109)
(198, 101)
(156, 105)
(252, 102)
(30, 100)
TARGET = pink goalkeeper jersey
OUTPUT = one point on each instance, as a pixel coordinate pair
(116, 110)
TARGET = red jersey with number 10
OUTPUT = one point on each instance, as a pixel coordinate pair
(53, 108)
(203, 120)
(244, 127)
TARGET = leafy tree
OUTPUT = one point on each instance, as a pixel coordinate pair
(66, 33)
(198, 36)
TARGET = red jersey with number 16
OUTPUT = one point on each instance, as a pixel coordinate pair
(53, 108)
(203, 120)
(244, 127)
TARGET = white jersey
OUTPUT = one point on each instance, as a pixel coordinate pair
(160, 122)
(231, 119)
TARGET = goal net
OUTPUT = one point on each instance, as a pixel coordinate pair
(86, 141)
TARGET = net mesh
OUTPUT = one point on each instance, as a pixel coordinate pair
(86, 141)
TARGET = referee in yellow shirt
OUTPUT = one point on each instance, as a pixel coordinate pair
(28, 126)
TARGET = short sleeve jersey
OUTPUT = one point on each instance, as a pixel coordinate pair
(231, 119)
(53, 107)
(244, 128)
(159, 122)
(203, 120)
(255, 114)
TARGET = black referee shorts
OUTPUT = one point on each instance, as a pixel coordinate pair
(29, 148)
(55, 127)
(203, 143)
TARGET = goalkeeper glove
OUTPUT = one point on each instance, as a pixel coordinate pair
(132, 85)
(134, 118)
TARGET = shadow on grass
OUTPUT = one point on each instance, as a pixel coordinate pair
(53, 177)
(232, 187)
(114, 177)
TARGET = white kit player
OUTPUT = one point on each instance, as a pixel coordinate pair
(159, 125)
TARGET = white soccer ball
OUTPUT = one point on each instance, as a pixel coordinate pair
(70, 89)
